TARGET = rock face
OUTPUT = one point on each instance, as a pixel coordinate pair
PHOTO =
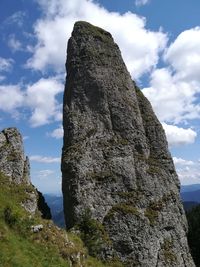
(13, 162)
(43, 207)
(15, 165)
(115, 163)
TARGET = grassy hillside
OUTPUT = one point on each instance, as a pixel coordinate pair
(50, 247)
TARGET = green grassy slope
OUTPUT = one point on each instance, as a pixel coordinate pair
(19, 247)
(51, 247)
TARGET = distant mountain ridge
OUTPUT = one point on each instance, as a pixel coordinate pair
(190, 188)
(191, 196)
(56, 205)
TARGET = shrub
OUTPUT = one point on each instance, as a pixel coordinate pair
(93, 234)
(9, 217)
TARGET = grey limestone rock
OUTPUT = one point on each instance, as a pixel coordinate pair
(13, 162)
(15, 165)
(37, 228)
(115, 162)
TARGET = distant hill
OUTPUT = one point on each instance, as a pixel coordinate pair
(56, 205)
(55, 202)
(190, 188)
(188, 205)
(193, 196)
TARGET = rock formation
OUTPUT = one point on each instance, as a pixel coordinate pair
(116, 166)
(13, 162)
(15, 165)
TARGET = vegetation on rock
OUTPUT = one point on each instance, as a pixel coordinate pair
(93, 234)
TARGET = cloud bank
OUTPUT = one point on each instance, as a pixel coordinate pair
(187, 170)
(39, 98)
(43, 159)
(141, 2)
(129, 31)
(173, 89)
(177, 136)
(57, 133)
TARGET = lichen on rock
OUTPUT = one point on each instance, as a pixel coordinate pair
(115, 160)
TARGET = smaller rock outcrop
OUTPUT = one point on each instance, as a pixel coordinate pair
(13, 162)
(22, 213)
(15, 165)
(43, 206)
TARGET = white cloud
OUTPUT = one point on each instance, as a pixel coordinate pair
(43, 159)
(179, 136)
(141, 2)
(188, 171)
(140, 47)
(38, 98)
(173, 100)
(45, 173)
(50, 184)
(16, 18)
(11, 97)
(57, 133)
(14, 44)
(41, 98)
(182, 162)
(184, 55)
(174, 91)
(6, 64)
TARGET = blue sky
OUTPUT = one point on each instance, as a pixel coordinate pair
(160, 43)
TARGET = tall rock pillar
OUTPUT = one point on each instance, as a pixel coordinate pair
(115, 163)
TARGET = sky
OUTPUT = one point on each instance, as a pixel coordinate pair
(160, 44)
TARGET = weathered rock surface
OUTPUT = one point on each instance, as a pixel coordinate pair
(115, 163)
(15, 165)
(13, 162)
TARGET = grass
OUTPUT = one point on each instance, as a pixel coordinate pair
(92, 262)
(17, 251)
(93, 234)
(131, 197)
(102, 176)
(51, 247)
(153, 210)
(17, 245)
(169, 255)
(123, 208)
(152, 215)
